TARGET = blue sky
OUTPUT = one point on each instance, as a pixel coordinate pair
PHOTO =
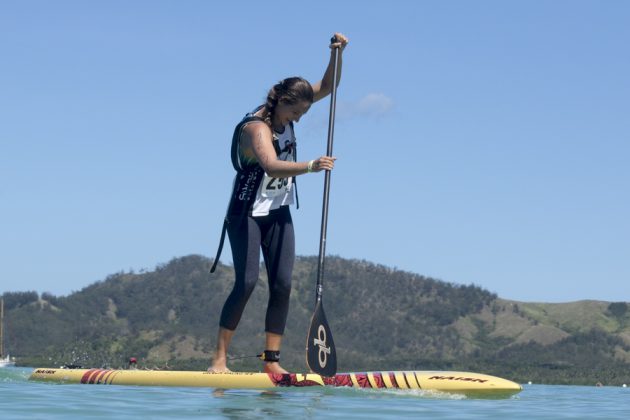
(480, 142)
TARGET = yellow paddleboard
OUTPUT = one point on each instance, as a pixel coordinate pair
(457, 382)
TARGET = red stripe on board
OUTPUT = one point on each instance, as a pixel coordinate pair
(392, 377)
(107, 375)
(378, 378)
(94, 375)
(363, 380)
(100, 377)
(342, 379)
(86, 376)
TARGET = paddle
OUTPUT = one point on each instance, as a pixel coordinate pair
(321, 356)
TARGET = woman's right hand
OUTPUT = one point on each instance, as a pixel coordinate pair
(339, 40)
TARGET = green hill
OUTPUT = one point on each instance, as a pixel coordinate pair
(382, 319)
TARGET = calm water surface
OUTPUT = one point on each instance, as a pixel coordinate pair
(21, 399)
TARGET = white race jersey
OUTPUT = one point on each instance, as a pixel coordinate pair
(276, 192)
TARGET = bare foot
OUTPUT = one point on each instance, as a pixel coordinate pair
(274, 367)
(212, 369)
(219, 366)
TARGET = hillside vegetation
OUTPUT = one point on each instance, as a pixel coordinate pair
(382, 319)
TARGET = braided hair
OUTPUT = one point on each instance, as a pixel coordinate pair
(289, 91)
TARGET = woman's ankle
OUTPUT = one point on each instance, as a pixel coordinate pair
(274, 367)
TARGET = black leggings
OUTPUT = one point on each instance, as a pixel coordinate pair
(274, 234)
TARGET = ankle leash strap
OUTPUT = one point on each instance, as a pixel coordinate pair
(270, 356)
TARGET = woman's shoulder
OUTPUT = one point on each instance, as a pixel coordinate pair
(256, 127)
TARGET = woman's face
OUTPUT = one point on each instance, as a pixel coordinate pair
(286, 113)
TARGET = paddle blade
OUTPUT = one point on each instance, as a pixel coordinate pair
(321, 356)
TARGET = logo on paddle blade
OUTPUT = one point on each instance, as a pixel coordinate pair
(320, 342)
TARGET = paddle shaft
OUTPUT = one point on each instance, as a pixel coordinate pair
(329, 150)
(1, 327)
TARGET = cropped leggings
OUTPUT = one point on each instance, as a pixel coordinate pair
(275, 236)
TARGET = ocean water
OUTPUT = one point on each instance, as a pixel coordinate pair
(21, 399)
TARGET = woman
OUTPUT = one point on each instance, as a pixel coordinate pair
(258, 217)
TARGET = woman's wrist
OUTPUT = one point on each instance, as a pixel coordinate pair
(309, 167)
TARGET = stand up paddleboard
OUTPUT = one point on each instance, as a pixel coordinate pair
(456, 382)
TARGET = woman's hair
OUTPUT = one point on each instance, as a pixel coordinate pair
(289, 91)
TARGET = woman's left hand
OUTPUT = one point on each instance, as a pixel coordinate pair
(324, 163)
